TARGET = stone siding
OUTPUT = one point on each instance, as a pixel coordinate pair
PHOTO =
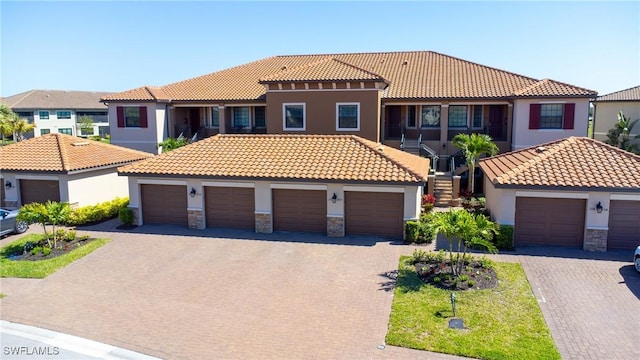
(196, 220)
(263, 223)
(596, 240)
(335, 226)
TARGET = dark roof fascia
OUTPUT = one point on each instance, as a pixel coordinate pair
(516, 97)
(238, 178)
(391, 100)
(602, 101)
(217, 101)
(40, 172)
(319, 81)
(564, 188)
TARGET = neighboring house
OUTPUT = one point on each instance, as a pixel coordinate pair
(608, 106)
(58, 111)
(329, 184)
(575, 192)
(60, 167)
(401, 99)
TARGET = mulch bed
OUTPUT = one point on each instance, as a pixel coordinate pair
(62, 247)
(439, 275)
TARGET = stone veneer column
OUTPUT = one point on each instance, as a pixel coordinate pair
(596, 240)
(196, 220)
(335, 226)
(264, 223)
(136, 216)
(455, 190)
(431, 184)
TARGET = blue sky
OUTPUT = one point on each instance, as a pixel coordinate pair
(119, 45)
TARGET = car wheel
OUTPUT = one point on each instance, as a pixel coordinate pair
(21, 226)
(637, 263)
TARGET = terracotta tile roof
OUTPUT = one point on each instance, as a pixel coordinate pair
(145, 93)
(56, 99)
(632, 94)
(548, 87)
(329, 69)
(64, 153)
(412, 75)
(339, 158)
(574, 162)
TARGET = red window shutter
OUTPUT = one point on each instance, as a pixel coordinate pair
(143, 117)
(120, 111)
(534, 116)
(568, 116)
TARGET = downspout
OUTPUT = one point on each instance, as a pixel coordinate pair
(593, 122)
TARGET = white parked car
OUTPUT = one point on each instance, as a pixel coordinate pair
(636, 259)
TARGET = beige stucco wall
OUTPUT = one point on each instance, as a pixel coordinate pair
(606, 116)
(89, 188)
(524, 137)
(143, 139)
(320, 108)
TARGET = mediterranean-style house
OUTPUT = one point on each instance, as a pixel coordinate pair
(331, 184)
(416, 100)
(60, 167)
(59, 111)
(575, 192)
(607, 108)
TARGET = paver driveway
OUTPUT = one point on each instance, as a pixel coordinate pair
(179, 296)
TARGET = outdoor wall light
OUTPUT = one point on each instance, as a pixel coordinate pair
(599, 208)
(193, 192)
(7, 184)
(334, 198)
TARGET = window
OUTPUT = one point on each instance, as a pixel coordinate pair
(457, 116)
(240, 117)
(552, 116)
(43, 115)
(477, 117)
(25, 115)
(44, 131)
(215, 118)
(86, 131)
(293, 115)
(66, 131)
(411, 117)
(96, 116)
(431, 116)
(259, 119)
(63, 114)
(132, 116)
(348, 116)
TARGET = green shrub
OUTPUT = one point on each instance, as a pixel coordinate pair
(471, 283)
(71, 235)
(96, 213)
(126, 216)
(463, 278)
(419, 255)
(411, 231)
(504, 238)
(36, 250)
(46, 251)
(61, 234)
(485, 262)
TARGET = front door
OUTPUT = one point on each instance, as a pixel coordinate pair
(194, 121)
(496, 128)
(394, 129)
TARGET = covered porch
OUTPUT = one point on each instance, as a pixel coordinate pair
(201, 121)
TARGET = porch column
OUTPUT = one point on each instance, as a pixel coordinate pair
(221, 123)
(509, 124)
(444, 128)
(383, 127)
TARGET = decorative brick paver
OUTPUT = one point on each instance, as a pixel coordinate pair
(202, 294)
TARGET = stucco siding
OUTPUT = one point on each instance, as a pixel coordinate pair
(606, 116)
(94, 187)
(143, 139)
(524, 137)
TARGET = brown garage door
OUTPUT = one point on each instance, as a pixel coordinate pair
(542, 221)
(624, 224)
(300, 210)
(374, 213)
(39, 191)
(230, 207)
(164, 204)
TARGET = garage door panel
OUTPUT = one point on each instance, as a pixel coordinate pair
(164, 204)
(39, 191)
(373, 213)
(549, 221)
(300, 210)
(624, 224)
(230, 207)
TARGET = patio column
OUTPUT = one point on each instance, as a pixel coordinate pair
(221, 120)
(444, 128)
(509, 124)
(382, 122)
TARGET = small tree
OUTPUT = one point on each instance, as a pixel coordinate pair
(54, 213)
(57, 213)
(35, 213)
(474, 146)
(446, 223)
(85, 123)
(171, 143)
(620, 134)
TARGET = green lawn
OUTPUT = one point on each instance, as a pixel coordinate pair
(42, 268)
(501, 323)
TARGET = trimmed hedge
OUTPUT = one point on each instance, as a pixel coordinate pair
(96, 213)
(504, 238)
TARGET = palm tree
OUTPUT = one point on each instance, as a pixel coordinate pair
(446, 223)
(620, 134)
(474, 230)
(474, 146)
(20, 126)
(5, 125)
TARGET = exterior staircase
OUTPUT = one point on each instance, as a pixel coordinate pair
(443, 189)
(411, 146)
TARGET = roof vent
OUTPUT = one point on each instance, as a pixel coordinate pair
(83, 143)
(381, 148)
(405, 62)
(284, 67)
(540, 149)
